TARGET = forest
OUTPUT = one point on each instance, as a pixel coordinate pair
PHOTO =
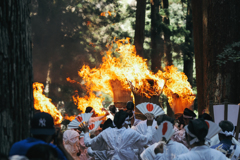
(57, 42)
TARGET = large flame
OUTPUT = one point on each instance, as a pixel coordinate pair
(89, 101)
(121, 63)
(44, 104)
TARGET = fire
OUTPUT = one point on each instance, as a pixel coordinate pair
(70, 118)
(124, 65)
(121, 63)
(44, 104)
(89, 101)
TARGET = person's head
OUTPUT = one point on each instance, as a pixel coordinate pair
(112, 109)
(108, 123)
(120, 118)
(130, 105)
(164, 117)
(71, 142)
(188, 115)
(42, 126)
(90, 110)
(227, 130)
(196, 131)
(206, 116)
(42, 152)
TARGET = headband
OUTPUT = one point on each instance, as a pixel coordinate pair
(228, 133)
(185, 116)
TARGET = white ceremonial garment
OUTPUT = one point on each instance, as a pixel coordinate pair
(148, 153)
(215, 140)
(202, 153)
(141, 128)
(98, 155)
(171, 151)
(118, 143)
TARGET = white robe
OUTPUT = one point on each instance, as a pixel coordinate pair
(118, 143)
(171, 151)
(202, 153)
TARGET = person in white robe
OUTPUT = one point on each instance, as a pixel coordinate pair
(119, 143)
(171, 148)
(196, 132)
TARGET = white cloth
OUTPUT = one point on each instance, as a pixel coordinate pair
(215, 140)
(70, 137)
(171, 151)
(202, 153)
(149, 154)
(98, 155)
(141, 128)
(118, 143)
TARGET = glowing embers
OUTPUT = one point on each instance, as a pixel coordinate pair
(44, 104)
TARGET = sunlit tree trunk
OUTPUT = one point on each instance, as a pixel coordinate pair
(140, 25)
(188, 50)
(16, 77)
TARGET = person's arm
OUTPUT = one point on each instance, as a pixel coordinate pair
(97, 141)
(144, 139)
(61, 146)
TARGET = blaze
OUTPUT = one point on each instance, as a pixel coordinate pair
(122, 63)
(44, 104)
(89, 100)
(70, 118)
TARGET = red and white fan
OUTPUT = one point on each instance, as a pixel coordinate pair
(165, 130)
(92, 127)
(152, 108)
(79, 119)
(213, 129)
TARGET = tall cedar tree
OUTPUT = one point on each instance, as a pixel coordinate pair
(16, 77)
(220, 21)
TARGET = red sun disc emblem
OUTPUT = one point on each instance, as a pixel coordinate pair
(165, 128)
(207, 124)
(79, 119)
(91, 126)
(149, 107)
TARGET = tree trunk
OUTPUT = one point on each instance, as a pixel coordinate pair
(140, 25)
(188, 51)
(167, 33)
(157, 43)
(167, 48)
(197, 17)
(16, 107)
(220, 28)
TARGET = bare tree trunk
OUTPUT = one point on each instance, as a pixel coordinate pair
(197, 17)
(220, 28)
(157, 46)
(167, 48)
(16, 77)
(188, 51)
(140, 25)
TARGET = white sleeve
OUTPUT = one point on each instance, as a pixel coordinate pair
(145, 139)
(96, 143)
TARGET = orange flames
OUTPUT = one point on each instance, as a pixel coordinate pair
(122, 63)
(70, 118)
(44, 104)
(89, 101)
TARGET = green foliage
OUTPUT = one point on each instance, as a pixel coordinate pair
(231, 53)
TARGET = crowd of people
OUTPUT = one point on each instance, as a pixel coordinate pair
(126, 138)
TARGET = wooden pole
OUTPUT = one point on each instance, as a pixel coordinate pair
(225, 109)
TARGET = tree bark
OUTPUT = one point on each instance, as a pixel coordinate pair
(167, 48)
(188, 51)
(157, 43)
(197, 17)
(16, 107)
(220, 28)
(140, 25)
